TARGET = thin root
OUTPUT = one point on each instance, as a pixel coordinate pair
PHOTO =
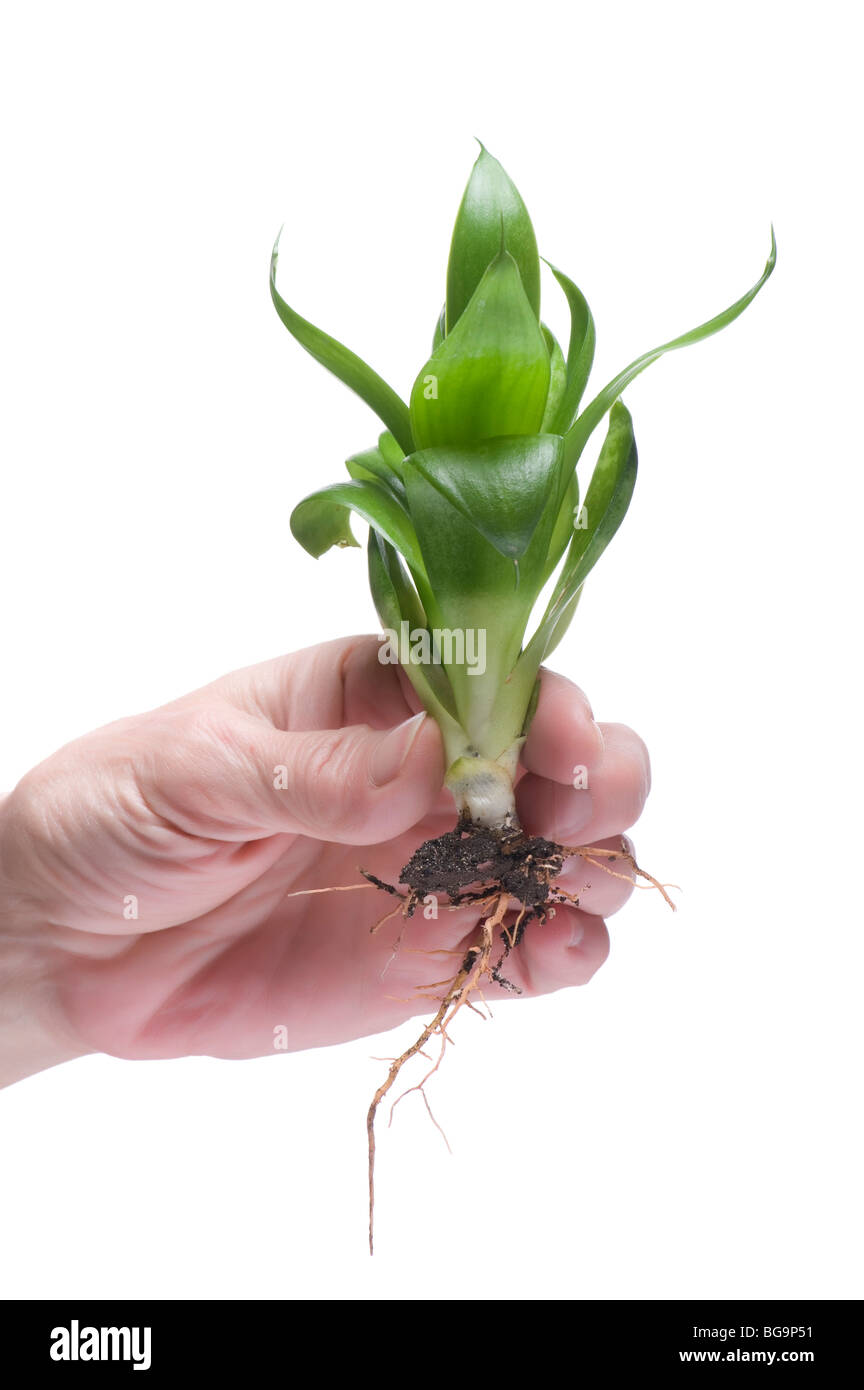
(489, 898)
(342, 888)
(474, 966)
(593, 855)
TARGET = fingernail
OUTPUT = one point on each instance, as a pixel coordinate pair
(577, 931)
(389, 755)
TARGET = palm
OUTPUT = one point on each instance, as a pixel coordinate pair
(260, 961)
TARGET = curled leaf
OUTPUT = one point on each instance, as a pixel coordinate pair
(323, 519)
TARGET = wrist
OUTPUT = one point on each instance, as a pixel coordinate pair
(33, 1035)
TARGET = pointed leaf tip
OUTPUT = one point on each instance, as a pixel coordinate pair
(580, 352)
(490, 197)
(580, 431)
(344, 364)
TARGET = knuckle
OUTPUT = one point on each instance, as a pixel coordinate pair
(325, 757)
(326, 791)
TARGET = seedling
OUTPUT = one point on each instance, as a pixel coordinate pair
(470, 496)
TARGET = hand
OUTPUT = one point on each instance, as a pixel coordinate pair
(147, 869)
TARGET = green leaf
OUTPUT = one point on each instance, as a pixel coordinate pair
(472, 591)
(368, 466)
(391, 450)
(500, 486)
(472, 587)
(605, 505)
(322, 519)
(604, 508)
(557, 382)
(394, 594)
(580, 353)
(491, 208)
(440, 329)
(344, 364)
(562, 531)
(372, 465)
(396, 601)
(577, 436)
(320, 523)
(490, 376)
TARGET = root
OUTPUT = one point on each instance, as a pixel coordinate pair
(486, 870)
(592, 854)
(340, 888)
(475, 965)
(490, 872)
(428, 1111)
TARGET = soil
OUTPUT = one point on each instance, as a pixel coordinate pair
(505, 861)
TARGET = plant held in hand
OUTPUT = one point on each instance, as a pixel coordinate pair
(473, 503)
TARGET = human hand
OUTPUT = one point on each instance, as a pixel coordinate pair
(147, 869)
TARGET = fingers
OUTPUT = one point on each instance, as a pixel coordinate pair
(566, 950)
(322, 687)
(329, 708)
(359, 785)
(609, 797)
(602, 887)
(230, 775)
(563, 733)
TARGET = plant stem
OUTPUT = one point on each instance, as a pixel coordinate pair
(483, 788)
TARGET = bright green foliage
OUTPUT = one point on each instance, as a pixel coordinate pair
(471, 494)
(491, 215)
(490, 375)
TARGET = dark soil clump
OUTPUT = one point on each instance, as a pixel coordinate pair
(471, 862)
(523, 866)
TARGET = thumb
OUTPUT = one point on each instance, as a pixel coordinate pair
(355, 785)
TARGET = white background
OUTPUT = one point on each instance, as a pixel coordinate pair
(688, 1125)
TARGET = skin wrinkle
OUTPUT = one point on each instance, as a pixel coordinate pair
(39, 851)
(209, 739)
(157, 819)
(335, 706)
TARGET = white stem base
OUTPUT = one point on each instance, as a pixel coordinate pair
(483, 788)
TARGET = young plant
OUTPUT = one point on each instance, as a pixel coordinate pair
(473, 504)
(472, 493)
